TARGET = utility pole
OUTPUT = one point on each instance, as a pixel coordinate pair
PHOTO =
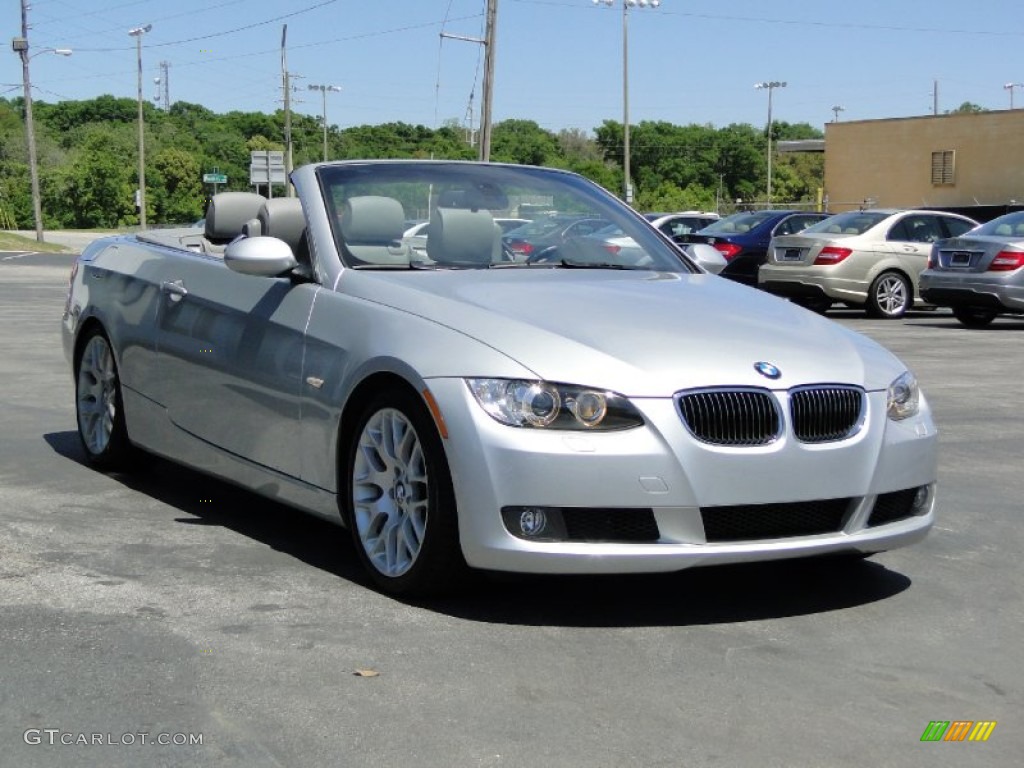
(137, 33)
(287, 85)
(835, 111)
(770, 86)
(488, 86)
(488, 42)
(21, 48)
(935, 97)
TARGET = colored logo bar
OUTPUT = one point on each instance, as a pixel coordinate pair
(958, 730)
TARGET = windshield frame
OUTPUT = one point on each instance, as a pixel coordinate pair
(338, 181)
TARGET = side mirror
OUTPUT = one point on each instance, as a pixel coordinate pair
(259, 256)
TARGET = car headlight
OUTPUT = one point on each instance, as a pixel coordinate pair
(541, 404)
(903, 398)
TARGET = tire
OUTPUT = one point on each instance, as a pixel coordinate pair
(99, 408)
(890, 296)
(974, 317)
(399, 501)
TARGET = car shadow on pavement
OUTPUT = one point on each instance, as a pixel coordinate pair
(713, 595)
(206, 500)
(952, 324)
(724, 594)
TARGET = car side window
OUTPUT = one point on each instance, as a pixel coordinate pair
(794, 224)
(917, 229)
(584, 228)
(956, 227)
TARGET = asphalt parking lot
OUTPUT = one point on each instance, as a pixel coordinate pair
(168, 604)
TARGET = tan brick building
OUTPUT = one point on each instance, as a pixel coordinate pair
(944, 161)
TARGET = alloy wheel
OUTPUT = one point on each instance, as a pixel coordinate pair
(390, 492)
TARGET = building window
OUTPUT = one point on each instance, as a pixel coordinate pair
(942, 167)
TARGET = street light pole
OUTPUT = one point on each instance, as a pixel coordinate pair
(137, 33)
(323, 92)
(1010, 87)
(20, 46)
(770, 86)
(626, 5)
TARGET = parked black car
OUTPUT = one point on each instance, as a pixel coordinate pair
(743, 238)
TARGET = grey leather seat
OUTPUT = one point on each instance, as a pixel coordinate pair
(463, 237)
(226, 216)
(282, 218)
(371, 230)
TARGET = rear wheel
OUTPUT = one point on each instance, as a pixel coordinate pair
(974, 317)
(400, 504)
(890, 296)
(98, 405)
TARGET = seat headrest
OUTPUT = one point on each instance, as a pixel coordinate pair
(372, 220)
(228, 212)
(371, 230)
(282, 218)
(462, 237)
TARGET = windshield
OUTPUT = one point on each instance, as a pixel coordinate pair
(849, 223)
(369, 202)
(1010, 225)
(738, 223)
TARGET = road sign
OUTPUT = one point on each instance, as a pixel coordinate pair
(266, 167)
(215, 178)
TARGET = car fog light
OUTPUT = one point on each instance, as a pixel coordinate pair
(535, 523)
(922, 499)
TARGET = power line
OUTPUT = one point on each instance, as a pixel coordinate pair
(222, 33)
(572, 4)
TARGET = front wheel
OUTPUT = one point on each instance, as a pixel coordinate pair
(98, 405)
(890, 296)
(973, 317)
(400, 504)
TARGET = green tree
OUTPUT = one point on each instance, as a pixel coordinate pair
(177, 186)
(523, 142)
(98, 188)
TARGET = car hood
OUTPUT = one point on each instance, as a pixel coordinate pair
(642, 334)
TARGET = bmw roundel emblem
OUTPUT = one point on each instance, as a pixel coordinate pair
(767, 370)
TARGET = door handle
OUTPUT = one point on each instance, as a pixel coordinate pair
(175, 290)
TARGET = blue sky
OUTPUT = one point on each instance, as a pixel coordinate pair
(559, 62)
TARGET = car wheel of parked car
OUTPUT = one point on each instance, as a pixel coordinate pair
(400, 501)
(974, 317)
(890, 296)
(98, 405)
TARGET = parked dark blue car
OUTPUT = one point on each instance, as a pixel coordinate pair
(743, 238)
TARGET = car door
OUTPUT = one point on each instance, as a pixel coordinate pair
(229, 358)
(910, 241)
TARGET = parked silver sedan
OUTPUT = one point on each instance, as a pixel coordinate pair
(868, 259)
(571, 413)
(981, 274)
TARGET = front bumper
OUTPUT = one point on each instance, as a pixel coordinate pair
(661, 469)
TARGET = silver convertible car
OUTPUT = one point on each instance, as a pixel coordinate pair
(464, 409)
